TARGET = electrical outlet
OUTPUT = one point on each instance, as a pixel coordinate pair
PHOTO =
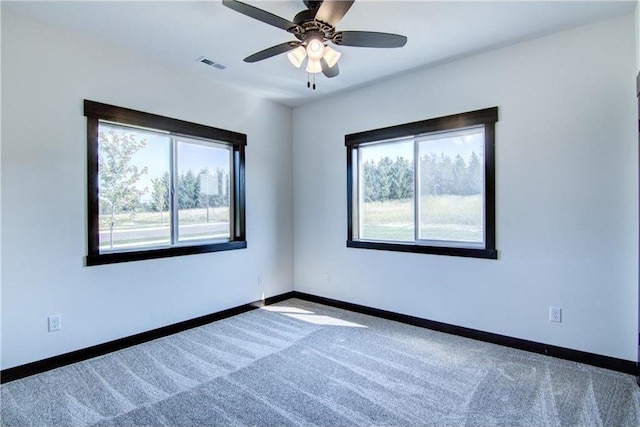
(327, 277)
(55, 323)
(555, 314)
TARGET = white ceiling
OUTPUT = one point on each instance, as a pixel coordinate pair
(176, 33)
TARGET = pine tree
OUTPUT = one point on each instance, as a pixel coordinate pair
(188, 190)
(384, 178)
(371, 184)
(459, 176)
(403, 177)
(474, 178)
(445, 168)
(428, 175)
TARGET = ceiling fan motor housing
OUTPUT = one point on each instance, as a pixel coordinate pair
(312, 4)
(304, 16)
(308, 27)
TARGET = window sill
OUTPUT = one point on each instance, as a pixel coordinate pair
(423, 249)
(116, 257)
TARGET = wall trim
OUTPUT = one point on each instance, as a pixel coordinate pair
(615, 364)
(61, 360)
(612, 363)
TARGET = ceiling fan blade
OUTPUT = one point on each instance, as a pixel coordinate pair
(272, 51)
(260, 15)
(329, 71)
(368, 39)
(332, 11)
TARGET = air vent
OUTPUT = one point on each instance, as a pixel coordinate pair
(208, 61)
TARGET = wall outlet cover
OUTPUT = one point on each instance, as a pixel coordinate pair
(555, 314)
(55, 323)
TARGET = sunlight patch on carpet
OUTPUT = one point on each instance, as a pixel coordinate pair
(311, 317)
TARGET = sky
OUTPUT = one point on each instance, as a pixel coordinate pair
(192, 154)
(195, 155)
(448, 143)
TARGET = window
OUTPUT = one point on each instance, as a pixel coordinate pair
(424, 187)
(160, 187)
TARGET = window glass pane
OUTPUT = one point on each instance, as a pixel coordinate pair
(451, 186)
(133, 188)
(204, 172)
(386, 207)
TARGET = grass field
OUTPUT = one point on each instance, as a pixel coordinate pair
(155, 219)
(452, 218)
(153, 228)
(456, 218)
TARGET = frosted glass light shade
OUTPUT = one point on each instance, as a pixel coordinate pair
(313, 66)
(315, 49)
(296, 56)
(331, 56)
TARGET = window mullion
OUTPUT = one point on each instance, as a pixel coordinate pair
(416, 191)
(234, 222)
(173, 159)
(360, 201)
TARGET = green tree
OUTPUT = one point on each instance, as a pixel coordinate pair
(401, 180)
(371, 181)
(160, 195)
(459, 176)
(474, 175)
(394, 184)
(385, 166)
(118, 189)
(428, 175)
(188, 190)
(405, 178)
(445, 173)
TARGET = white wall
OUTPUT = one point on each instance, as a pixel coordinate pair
(567, 194)
(638, 35)
(0, 189)
(46, 74)
(638, 70)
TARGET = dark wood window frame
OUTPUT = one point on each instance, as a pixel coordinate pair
(485, 117)
(95, 111)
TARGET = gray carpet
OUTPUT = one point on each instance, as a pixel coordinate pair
(299, 364)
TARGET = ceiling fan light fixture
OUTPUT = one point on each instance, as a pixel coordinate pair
(297, 55)
(315, 49)
(314, 66)
(331, 56)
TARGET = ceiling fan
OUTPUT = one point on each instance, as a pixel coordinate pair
(313, 29)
